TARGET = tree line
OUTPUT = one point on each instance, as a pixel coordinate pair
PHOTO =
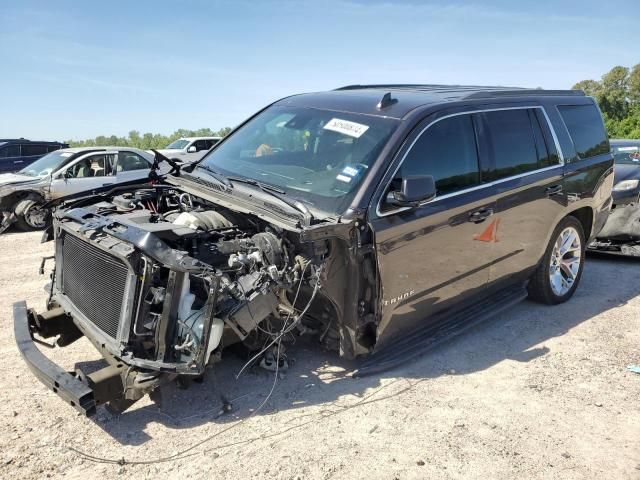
(146, 141)
(618, 95)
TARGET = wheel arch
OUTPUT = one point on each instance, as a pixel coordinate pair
(585, 216)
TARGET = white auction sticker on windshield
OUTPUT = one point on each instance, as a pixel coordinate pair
(346, 127)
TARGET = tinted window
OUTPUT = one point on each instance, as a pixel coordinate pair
(201, 145)
(53, 148)
(447, 151)
(31, 149)
(10, 151)
(510, 140)
(586, 129)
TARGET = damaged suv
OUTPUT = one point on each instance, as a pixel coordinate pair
(378, 218)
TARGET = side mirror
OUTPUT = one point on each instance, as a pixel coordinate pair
(192, 149)
(414, 191)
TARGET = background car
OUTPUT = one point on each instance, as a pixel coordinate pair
(189, 149)
(626, 187)
(65, 172)
(16, 154)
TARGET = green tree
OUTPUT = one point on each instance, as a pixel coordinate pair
(618, 95)
(147, 140)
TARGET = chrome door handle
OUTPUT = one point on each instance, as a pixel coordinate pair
(480, 215)
(554, 190)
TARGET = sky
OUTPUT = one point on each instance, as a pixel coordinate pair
(77, 69)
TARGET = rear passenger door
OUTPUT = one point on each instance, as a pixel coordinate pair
(130, 167)
(429, 257)
(524, 164)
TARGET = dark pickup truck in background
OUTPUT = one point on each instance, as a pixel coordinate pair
(379, 218)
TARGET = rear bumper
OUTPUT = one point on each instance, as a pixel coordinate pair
(71, 389)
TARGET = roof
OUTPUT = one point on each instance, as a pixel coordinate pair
(100, 149)
(403, 98)
(199, 138)
(24, 140)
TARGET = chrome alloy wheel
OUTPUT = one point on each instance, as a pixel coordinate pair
(36, 216)
(566, 259)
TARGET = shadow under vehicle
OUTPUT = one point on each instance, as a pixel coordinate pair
(380, 219)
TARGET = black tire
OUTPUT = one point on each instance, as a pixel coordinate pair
(540, 286)
(5, 221)
(25, 220)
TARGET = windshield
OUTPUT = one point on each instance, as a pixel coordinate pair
(629, 154)
(177, 145)
(47, 164)
(316, 156)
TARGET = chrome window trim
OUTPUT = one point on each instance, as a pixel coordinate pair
(380, 214)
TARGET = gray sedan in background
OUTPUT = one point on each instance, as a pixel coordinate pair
(65, 172)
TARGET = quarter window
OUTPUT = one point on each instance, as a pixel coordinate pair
(447, 151)
(586, 129)
(511, 141)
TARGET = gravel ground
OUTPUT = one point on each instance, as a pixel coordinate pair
(538, 392)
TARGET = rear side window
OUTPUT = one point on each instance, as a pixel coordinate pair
(586, 129)
(31, 150)
(511, 142)
(447, 151)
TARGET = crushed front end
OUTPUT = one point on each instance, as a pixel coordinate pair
(161, 280)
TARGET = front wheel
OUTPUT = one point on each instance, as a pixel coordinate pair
(557, 277)
(31, 215)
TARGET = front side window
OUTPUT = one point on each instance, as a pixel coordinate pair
(511, 142)
(586, 129)
(90, 167)
(447, 151)
(315, 156)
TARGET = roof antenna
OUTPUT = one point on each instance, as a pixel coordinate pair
(386, 101)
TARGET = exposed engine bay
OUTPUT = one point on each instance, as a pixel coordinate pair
(161, 281)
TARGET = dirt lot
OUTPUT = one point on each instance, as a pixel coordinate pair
(537, 393)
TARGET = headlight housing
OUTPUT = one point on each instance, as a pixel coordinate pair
(626, 185)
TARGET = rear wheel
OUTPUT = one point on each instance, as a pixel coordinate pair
(31, 214)
(558, 275)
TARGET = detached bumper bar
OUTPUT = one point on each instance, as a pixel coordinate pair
(72, 390)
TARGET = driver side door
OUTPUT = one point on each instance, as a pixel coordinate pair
(438, 255)
(89, 172)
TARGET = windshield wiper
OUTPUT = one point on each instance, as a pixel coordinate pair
(277, 193)
(219, 177)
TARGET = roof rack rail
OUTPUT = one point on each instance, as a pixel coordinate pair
(474, 91)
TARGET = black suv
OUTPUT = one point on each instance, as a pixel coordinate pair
(379, 218)
(15, 154)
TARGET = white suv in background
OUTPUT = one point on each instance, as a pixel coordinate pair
(189, 149)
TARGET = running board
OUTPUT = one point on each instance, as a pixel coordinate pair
(415, 344)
